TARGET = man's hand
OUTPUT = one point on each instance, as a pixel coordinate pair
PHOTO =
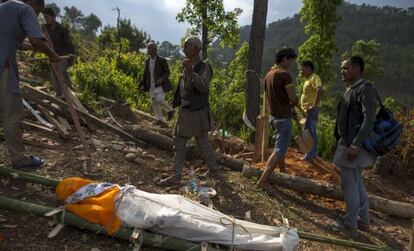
(352, 153)
(188, 66)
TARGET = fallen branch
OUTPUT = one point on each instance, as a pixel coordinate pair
(166, 143)
(44, 130)
(38, 144)
(326, 190)
(40, 95)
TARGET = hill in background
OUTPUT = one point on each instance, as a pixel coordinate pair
(391, 27)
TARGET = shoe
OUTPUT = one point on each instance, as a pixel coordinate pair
(170, 115)
(342, 227)
(35, 163)
(169, 181)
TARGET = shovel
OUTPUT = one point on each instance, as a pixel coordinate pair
(304, 139)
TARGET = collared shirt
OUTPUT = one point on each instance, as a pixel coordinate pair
(275, 83)
(62, 43)
(310, 93)
(17, 20)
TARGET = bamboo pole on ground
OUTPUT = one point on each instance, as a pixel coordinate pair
(28, 177)
(150, 239)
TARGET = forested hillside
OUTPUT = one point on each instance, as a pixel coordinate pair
(391, 27)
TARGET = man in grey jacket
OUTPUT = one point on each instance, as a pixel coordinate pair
(194, 117)
(355, 121)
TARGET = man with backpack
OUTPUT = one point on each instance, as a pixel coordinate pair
(355, 122)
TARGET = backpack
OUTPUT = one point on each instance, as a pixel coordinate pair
(386, 132)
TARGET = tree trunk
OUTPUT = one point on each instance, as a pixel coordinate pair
(204, 31)
(254, 62)
(323, 189)
(166, 143)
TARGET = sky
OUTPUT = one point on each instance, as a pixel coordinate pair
(157, 17)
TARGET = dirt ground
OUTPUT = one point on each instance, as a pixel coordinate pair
(236, 195)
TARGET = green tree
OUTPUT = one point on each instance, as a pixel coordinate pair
(72, 17)
(137, 38)
(370, 52)
(90, 25)
(54, 7)
(211, 20)
(167, 49)
(321, 19)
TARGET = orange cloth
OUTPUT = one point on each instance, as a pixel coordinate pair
(98, 210)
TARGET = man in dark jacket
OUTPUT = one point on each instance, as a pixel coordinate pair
(156, 81)
(194, 117)
(356, 118)
(63, 46)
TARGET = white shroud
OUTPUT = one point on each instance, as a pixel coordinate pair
(177, 216)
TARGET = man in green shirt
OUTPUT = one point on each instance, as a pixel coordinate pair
(311, 96)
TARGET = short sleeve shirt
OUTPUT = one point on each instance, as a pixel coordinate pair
(17, 21)
(276, 81)
(309, 93)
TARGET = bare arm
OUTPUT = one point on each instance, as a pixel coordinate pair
(319, 92)
(40, 45)
(290, 89)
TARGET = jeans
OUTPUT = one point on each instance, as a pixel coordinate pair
(311, 121)
(355, 196)
(282, 135)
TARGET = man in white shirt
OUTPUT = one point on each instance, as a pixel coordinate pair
(156, 81)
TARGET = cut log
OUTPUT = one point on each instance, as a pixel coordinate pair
(323, 189)
(258, 141)
(89, 117)
(166, 143)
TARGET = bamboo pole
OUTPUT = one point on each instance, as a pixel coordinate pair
(150, 239)
(343, 243)
(8, 172)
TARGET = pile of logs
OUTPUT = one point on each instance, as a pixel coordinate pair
(49, 116)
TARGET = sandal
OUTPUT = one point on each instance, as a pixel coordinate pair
(36, 162)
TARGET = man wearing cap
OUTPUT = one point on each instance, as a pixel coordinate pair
(63, 46)
(17, 21)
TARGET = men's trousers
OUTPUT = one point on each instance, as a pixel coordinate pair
(11, 114)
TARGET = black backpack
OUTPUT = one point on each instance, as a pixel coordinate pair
(386, 132)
